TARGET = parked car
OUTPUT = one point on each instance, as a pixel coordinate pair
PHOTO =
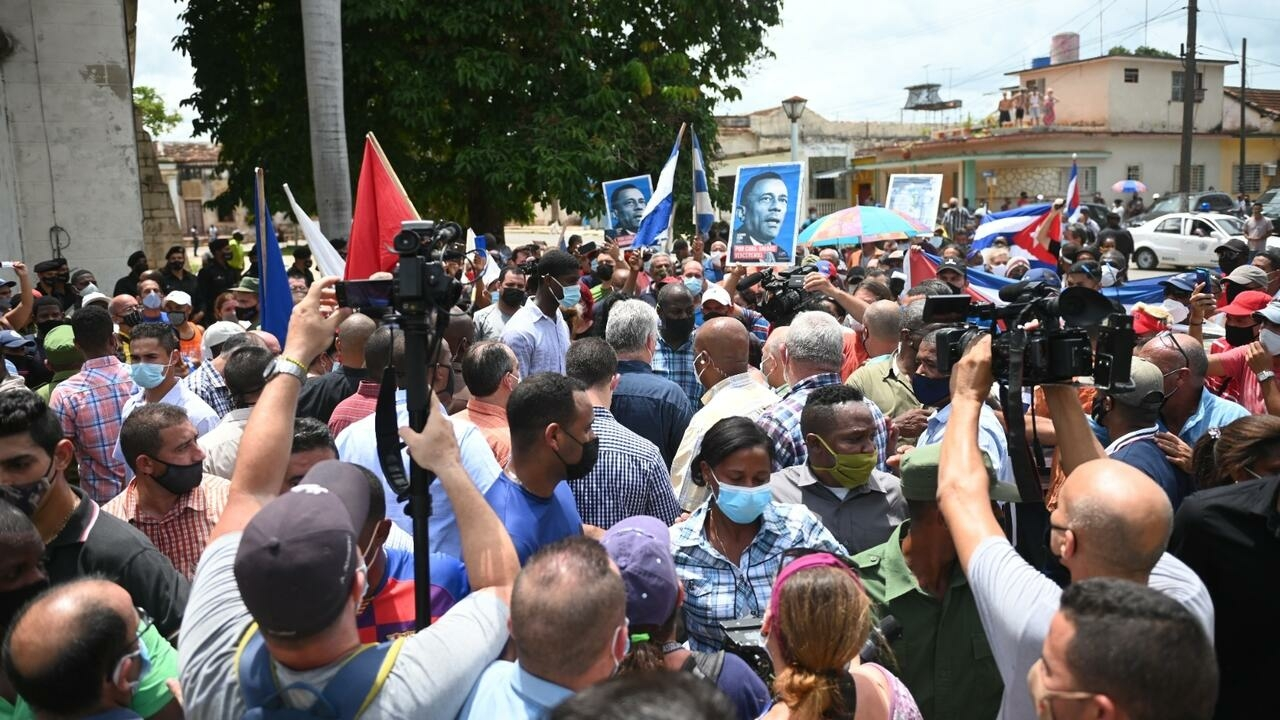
(1213, 202)
(1271, 207)
(1096, 211)
(1183, 239)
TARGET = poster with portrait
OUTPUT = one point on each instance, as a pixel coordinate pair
(624, 203)
(915, 195)
(766, 202)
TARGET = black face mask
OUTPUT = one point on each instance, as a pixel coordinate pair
(140, 268)
(133, 318)
(247, 313)
(178, 479)
(43, 328)
(1238, 336)
(12, 601)
(678, 328)
(1099, 410)
(584, 466)
(513, 297)
(1228, 262)
(63, 277)
(176, 265)
(604, 272)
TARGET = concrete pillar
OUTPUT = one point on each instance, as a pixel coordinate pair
(969, 182)
(160, 229)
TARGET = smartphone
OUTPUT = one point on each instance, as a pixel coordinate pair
(587, 248)
(1202, 277)
(364, 293)
(7, 264)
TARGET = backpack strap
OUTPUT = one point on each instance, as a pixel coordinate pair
(258, 684)
(704, 665)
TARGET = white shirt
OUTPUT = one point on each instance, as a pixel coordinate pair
(737, 395)
(222, 444)
(198, 411)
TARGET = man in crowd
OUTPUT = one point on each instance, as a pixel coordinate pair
(244, 371)
(216, 276)
(53, 281)
(88, 404)
(491, 373)
(1257, 228)
(61, 357)
(811, 358)
(551, 441)
(154, 371)
(882, 327)
(721, 349)
(1122, 238)
(673, 354)
(569, 627)
(311, 445)
(629, 477)
(1111, 521)
(170, 499)
(128, 285)
(125, 313)
(888, 383)
(1242, 365)
(914, 576)
(206, 381)
(511, 296)
(859, 504)
(305, 540)
(377, 355)
(771, 361)
(1189, 410)
(175, 277)
(537, 333)
(322, 394)
(301, 267)
(652, 406)
(716, 303)
(956, 218)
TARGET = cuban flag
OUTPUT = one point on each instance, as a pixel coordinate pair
(655, 224)
(1073, 192)
(1019, 227)
(703, 213)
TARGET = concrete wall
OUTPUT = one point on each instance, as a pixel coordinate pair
(68, 116)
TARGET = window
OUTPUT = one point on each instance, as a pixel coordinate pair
(1173, 226)
(1133, 172)
(1252, 179)
(194, 213)
(1178, 82)
(1088, 179)
(1197, 177)
(1200, 228)
(824, 189)
(1131, 75)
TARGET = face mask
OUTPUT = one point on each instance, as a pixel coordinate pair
(742, 505)
(43, 328)
(584, 466)
(1177, 311)
(148, 375)
(246, 313)
(513, 297)
(64, 277)
(569, 296)
(5, 304)
(1040, 695)
(177, 318)
(694, 284)
(28, 496)
(930, 391)
(1270, 340)
(143, 653)
(152, 301)
(698, 372)
(12, 601)
(851, 470)
(178, 479)
(1000, 270)
(176, 265)
(679, 328)
(493, 297)
(89, 289)
(133, 318)
(1238, 336)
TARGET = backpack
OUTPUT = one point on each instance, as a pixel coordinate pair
(704, 665)
(345, 697)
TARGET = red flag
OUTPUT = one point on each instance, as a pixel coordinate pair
(381, 205)
(921, 266)
(1026, 239)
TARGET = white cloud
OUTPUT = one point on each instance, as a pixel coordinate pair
(160, 66)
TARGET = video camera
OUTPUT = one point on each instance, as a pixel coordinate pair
(784, 291)
(742, 638)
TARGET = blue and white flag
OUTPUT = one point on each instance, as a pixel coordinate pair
(1073, 192)
(655, 225)
(275, 302)
(703, 214)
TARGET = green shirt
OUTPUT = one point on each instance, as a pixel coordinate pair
(884, 384)
(46, 390)
(942, 654)
(153, 693)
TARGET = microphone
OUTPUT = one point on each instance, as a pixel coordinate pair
(884, 632)
(1010, 292)
(750, 280)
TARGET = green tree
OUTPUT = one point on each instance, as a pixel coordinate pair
(483, 107)
(1147, 51)
(155, 117)
(1118, 50)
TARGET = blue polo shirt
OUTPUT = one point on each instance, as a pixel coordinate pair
(506, 690)
(533, 521)
(1212, 412)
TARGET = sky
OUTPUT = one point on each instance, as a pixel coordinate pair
(852, 60)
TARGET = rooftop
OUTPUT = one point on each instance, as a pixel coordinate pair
(188, 153)
(1101, 58)
(1266, 102)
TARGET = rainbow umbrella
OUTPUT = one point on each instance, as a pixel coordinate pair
(859, 224)
(1129, 186)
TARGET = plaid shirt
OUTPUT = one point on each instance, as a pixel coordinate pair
(717, 589)
(676, 365)
(782, 423)
(357, 407)
(209, 385)
(88, 405)
(629, 478)
(182, 532)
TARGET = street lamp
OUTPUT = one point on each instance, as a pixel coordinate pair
(794, 108)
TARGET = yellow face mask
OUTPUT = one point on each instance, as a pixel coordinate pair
(852, 470)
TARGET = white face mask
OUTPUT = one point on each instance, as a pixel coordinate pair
(1270, 340)
(1000, 270)
(1177, 311)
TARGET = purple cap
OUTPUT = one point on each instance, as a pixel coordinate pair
(641, 548)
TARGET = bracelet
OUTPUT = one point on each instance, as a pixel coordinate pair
(1191, 324)
(288, 359)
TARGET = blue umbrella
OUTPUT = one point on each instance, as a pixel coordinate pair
(1129, 186)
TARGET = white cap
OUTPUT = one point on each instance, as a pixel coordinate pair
(717, 293)
(94, 297)
(178, 297)
(218, 334)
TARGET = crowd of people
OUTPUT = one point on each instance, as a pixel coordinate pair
(655, 494)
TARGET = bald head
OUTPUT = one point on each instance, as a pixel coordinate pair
(673, 293)
(883, 320)
(271, 341)
(771, 356)
(1121, 518)
(1162, 351)
(355, 330)
(726, 343)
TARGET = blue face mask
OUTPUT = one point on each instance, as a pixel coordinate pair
(570, 295)
(930, 391)
(493, 297)
(694, 284)
(742, 505)
(147, 375)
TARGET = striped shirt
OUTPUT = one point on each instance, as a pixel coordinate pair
(182, 532)
(209, 385)
(781, 423)
(676, 365)
(356, 407)
(540, 343)
(88, 405)
(629, 478)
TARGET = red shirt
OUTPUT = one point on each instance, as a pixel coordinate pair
(354, 408)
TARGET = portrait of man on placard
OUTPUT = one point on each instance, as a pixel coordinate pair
(624, 202)
(766, 202)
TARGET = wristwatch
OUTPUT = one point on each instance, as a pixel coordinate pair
(1265, 375)
(286, 366)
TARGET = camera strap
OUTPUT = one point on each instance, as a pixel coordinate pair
(1028, 479)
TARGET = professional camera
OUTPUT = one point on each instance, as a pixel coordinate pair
(742, 638)
(784, 292)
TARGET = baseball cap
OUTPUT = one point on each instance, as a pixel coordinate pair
(8, 283)
(1248, 275)
(296, 562)
(60, 348)
(94, 297)
(953, 264)
(1235, 245)
(641, 548)
(47, 265)
(1149, 318)
(218, 243)
(716, 293)
(920, 476)
(1148, 386)
(247, 285)
(136, 256)
(1088, 268)
(1247, 303)
(1186, 282)
(348, 482)
(1270, 313)
(218, 334)
(178, 297)
(13, 340)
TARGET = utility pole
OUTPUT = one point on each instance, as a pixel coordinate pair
(1188, 106)
(1244, 49)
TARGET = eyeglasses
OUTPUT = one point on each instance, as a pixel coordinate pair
(1167, 339)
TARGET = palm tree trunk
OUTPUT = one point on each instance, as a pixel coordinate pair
(322, 38)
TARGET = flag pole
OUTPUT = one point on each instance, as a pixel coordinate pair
(260, 233)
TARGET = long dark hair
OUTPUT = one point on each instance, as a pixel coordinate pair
(726, 438)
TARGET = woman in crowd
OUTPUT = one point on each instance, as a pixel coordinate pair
(1247, 449)
(819, 618)
(729, 550)
(224, 308)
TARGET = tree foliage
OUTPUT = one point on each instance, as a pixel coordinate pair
(1142, 51)
(483, 107)
(156, 118)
